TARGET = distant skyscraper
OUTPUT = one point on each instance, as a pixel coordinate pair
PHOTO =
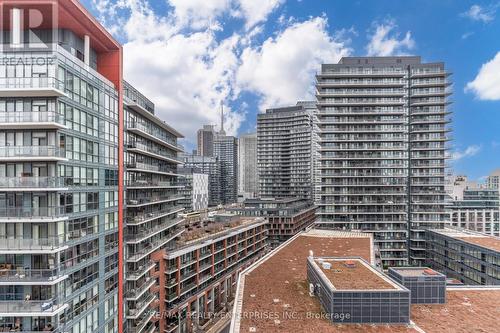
(212, 167)
(248, 185)
(206, 141)
(195, 189)
(383, 124)
(286, 146)
(226, 150)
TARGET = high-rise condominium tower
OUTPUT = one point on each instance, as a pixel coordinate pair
(70, 260)
(205, 138)
(286, 147)
(383, 124)
(153, 203)
(248, 185)
(226, 151)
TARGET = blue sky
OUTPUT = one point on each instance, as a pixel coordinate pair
(188, 55)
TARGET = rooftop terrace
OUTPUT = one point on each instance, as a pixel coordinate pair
(273, 294)
(203, 230)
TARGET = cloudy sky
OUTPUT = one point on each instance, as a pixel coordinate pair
(188, 55)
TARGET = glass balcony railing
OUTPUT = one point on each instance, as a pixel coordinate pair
(160, 135)
(29, 275)
(150, 167)
(147, 216)
(151, 200)
(30, 117)
(151, 183)
(31, 244)
(30, 83)
(153, 150)
(31, 212)
(32, 151)
(31, 182)
(22, 306)
(143, 233)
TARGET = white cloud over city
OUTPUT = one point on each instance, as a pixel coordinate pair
(480, 13)
(486, 85)
(176, 59)
(467, 152)
(385, 40)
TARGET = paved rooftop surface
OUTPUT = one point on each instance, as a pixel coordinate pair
(274, 295)
(357, 277)
(472, 237)
(411, 272)
(466, 311)
(487, 242)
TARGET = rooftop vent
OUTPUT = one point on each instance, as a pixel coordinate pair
(326, 265)
(429, 271)
(350, 264)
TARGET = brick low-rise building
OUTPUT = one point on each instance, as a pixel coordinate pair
(196, 278)
(286, 217)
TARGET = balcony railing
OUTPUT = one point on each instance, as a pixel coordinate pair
(149, 167)
(151, 200)
(147, 216)
(32, 244)
(151, 246)
(151, 183)
(31, 212)
(153, 150)
(144, 233)
(31, 182)
(154, 133)
(30, 83)
(32, 151)
(30, 275)
(30, 117)
(22, 306)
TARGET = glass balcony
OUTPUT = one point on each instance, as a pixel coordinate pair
(149, 167)
(140, 270)
(151, 200)
(134, 312)
(140, 218)
(32, 152)
(138, 291)
(29, 275)
(154, 134)
(48, 307)
(152, 246)
(151, 183)
(31, 87)
(152, 151)
(143, 233)
(41, 213)
(18, 183)
(31, 120)
(30, 244)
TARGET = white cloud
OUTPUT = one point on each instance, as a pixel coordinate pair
(256, 11)
(282, 70)
(483, 14)
(199, 14)
(467, 34)
(486, 85)
(468, 152)
(176, 59)
(384, 41)
(186, 74)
